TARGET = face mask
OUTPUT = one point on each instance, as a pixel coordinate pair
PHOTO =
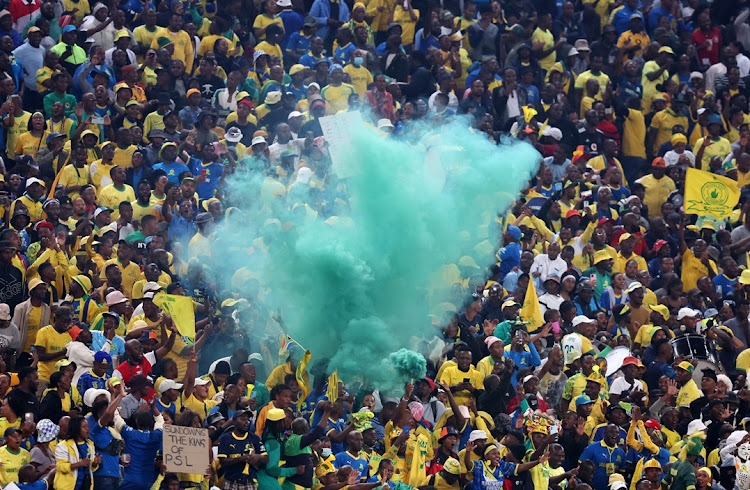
(358, 61)
(326, 452)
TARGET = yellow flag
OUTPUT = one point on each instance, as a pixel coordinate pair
(333, 387)
(707, 194)
(300, 376)
(531, 312)
(180, 308)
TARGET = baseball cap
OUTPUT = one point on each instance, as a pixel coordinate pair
(666, 49)
(581, 319)
(102, 209)
(686, 311)
(659, 163)
(102, 357)
(583, 400)
(201, 381)
(633, 286)
(169, 384)
(686, 366)
(34, 180)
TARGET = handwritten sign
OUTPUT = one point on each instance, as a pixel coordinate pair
(336, 130)
(186, 449)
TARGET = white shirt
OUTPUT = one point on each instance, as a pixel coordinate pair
(549, 301)
(104, 38)
(571, 344)
(452, 100)
(620, 386)
(672, 157)
(545, 266)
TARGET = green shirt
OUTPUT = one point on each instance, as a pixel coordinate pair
(68, 101)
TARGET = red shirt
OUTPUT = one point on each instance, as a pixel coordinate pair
(708, 57)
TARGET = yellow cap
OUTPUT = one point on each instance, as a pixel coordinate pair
(652, 463)
(324, 469)
(660, 309)
(276, 414)
(34, 283)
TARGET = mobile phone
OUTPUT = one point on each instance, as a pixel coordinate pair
(28, 417)
(553, 429)
(204, 172)
(97, 120)
(467, 380)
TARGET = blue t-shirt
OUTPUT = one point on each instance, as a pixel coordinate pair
(487, 479)
(606, 461)
(213, 171)
(102, 438)
(89, 380)
(359, 463)
(333, 427)
(299, 44)
(83, 452)
(510, 255)
(173, 170)
(724, 286)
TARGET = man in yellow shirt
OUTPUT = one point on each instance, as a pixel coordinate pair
(358, 74)
(118, 191)
(195, 390)
(627, 243)
(462, 378)
(50, 344)
(543, 43)
(130, 270)
(712, 146)
(634, 41)
(663, 123)
(655, 72)
(336, 94)
(658, 185)
(181, 43)
(689, 391)
(696, 263)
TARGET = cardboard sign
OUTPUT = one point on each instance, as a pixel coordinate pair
(186, 449)
(336, 130)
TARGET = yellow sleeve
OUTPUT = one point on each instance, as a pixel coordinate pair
(588, 232)
(631, 440)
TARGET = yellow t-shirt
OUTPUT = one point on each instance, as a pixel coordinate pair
(663, 121)
(52, 341)
(620, 261)
(28, 144)
(143, 36)
(183, 46)
(636, 39)
(262, 21)
(202, 408)
(693, 269)
(337, 98)
(100, 175)
(35, 318)
(688, 394)
(453, 376)
(82, 5)
(403, 18)
(140, 211)
(546, 37)
(634, 134)
(657, 190)
(20, 126)
(270, 49)
(602, 8)
(130, 274)
(718, 148)
(124, 156)
(649, 86)
(42, 75)
(584, 77)
(72, 176)
(361, 78)
(12, 462)
(111, 197)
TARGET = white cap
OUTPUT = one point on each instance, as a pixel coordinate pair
(696, 74)
(572, 52)
(258, 140)
(304, 174)
(284, 3)
(92, 394)
(701, 110)
(686, 311)
(151, 287)
(633, 286)
(385, 123)
(618, 485)
(149, 295)
(34, 180)
(477, 434)
(580, 319)
(169, 384)
(199, 382)
(294, 114)
(695, 426)
(552, 132)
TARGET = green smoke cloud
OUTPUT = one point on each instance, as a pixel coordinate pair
(357, 287)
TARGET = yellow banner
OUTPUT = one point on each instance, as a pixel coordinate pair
(180, 308)
(333, 387)
(531, 312)
(707, 194)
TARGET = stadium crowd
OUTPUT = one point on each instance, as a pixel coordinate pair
(124, 123)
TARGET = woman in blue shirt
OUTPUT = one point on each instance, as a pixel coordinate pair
(107, 476)
(142, 442)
